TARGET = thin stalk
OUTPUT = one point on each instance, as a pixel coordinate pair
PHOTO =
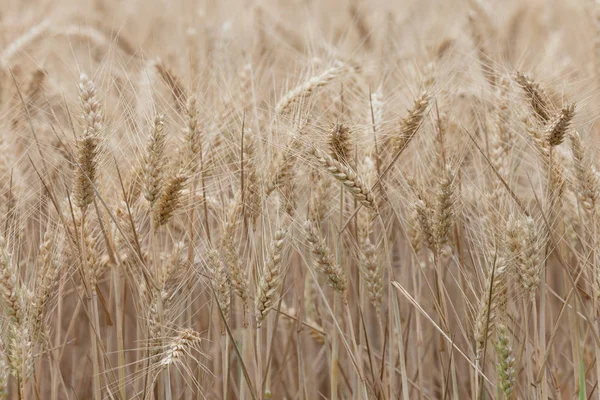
(392, 301)
(335, 349)
(246, 350)
(57, 336)
(335, 345)
(536, 333)
(419, 344)
(167, 377)
(94, 346)
(204, 202)
(528, 366)
(225, 366)
(596, 291)
(542, 333)
(120, 342)
(359, 376)
(190, 289)
(361, 303)
(95, 325)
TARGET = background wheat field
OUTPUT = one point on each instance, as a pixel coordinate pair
(299, 199)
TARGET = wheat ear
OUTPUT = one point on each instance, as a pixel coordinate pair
(506, 367)
(270, 278)
(491, 304)
(154, 162)
(9, 285)
(523, 251)
(372, 273)
(559, 125)
(192, 136)
(339, 143)
(343, 173)
(307, 88)
(444, 207)
(173, 81)
(221, 283)
(324, 260)
(181, 345)
(586, 179)
(169, 199)
(46, 280)
(88, 145)
(538, 99)
(410, 123)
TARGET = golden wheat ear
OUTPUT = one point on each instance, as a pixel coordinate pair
(506, 366)
(169, 200)
(221, 283)
(270, 279)
(587, 180)
(324, 261)
(154, 161)
(307, 88)
(491, 305)
(88, 145)
(349, 179)
(538, 99)
(559, 125)
(523, 248)
(372, 272)
(409, 124)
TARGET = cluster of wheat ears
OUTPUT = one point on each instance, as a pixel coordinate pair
(299, 200)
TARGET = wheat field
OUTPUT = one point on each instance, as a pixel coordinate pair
(299, 199)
